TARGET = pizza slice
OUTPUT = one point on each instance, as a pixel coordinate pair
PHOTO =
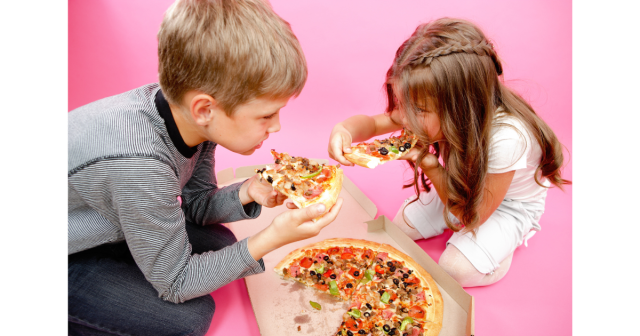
(304, 181)
(405, 287)
(377, 152)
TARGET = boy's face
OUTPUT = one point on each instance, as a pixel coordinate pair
(249, 126)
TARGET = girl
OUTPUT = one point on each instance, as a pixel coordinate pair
(485, 159)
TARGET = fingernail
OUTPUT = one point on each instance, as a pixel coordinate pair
(321, 208)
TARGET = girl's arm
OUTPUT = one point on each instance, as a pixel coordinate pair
(359, 128)
(496, 186)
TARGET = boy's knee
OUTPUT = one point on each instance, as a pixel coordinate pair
(195, 316)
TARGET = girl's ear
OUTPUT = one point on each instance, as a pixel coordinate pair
(203, 109)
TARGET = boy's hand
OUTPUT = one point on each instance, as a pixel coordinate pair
(339, 143)
(291, 226)
(257, 190)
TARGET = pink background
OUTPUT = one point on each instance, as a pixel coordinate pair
(349, 45)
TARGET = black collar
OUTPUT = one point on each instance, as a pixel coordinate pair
(165, 112)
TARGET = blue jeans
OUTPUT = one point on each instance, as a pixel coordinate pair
(108, 294)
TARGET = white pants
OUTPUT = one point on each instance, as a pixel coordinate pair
(508, 227)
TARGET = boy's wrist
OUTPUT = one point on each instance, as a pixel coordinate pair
(243, 193)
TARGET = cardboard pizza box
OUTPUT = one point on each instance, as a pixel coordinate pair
(282, 306)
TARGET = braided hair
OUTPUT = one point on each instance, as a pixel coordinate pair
(451, 63)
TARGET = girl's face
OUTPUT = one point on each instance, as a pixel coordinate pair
(428, 118)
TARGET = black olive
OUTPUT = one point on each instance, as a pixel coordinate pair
(315, 261)
(402, 149)
(333, 276)
(386, 328)
(396, 281)
(356, 273)
(392, 331)
(405, 275)
(349, 285)
(392, 269)
(330, 262)
(369, 306)
(319, 275)
(381, 291)
(405, 334)
(326, 258)
(293, 187)
(269, 179)
(390, 264)
(407, 145)
(383, 150)
(390, 301)
(404, 310)
(278, 161)
(410, 271)
(322, 282)
(361, 332)
(367, 314)
(312, 273)
(349, 333)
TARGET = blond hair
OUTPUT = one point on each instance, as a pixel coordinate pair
(232, 50)
(451, 62)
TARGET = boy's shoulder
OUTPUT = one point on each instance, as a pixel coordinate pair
(126, 124)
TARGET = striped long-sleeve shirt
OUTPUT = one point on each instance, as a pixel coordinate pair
(127, 166)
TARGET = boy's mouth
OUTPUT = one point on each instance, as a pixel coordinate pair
(259, 145)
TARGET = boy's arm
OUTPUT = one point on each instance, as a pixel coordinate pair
(359, 128)
(204, 203)
(140, 196)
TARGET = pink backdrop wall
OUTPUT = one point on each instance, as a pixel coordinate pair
(349, 45)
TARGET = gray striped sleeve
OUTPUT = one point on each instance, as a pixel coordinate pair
(140, 195)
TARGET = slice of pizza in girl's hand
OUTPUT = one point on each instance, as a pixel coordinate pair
(304, 181)
(372, 154)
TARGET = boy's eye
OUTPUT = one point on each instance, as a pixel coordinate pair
(270, 116)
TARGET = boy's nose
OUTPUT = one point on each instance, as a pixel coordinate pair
(275, 127)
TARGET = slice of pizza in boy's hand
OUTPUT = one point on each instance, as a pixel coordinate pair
(304, 181)
(372, 154)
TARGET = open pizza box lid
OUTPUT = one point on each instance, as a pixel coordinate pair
(282, 306)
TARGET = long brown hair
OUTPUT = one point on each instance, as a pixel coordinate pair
(451, 62)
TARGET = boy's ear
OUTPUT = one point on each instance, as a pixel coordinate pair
(203, 108)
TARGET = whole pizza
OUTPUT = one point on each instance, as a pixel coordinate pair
(389, 293)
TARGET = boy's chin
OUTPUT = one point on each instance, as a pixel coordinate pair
(249, 152)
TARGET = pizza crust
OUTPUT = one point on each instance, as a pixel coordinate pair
(363, 160)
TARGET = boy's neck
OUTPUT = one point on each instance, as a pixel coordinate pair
(189, 132)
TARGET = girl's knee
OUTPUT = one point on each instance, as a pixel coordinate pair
(462, 270)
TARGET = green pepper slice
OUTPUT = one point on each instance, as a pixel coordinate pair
(405, 321)
(315, 305)
(355, 313)
(320, 270)
(368, 276)
(385, 297)
(314, 174)
(394, 149)
(333, 288)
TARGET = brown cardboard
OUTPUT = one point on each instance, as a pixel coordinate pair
(282, 306)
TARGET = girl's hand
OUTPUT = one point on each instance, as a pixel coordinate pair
(259, 191)
(339, 143)
(429, 162)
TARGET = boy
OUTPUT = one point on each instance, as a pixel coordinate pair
(145, 246)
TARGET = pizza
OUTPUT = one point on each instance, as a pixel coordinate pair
(304, 181)
(388, 292)
(372, 154)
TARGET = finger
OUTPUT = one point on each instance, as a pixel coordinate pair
(330, 216)
(280, 198)
(303, 215)
(291, 205)
(337, 151)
